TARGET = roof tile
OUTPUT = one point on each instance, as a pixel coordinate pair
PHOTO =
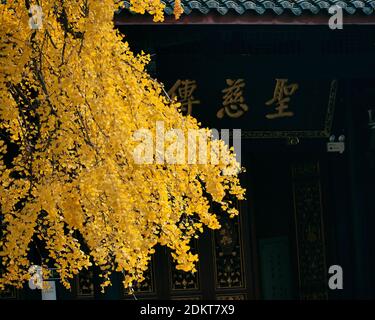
(296, 7)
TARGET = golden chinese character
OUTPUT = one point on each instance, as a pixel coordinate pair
(281, 98)
(233, 104)
(183, 90)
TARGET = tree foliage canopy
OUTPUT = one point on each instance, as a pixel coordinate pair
(72, 94)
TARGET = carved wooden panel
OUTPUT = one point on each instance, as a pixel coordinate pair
(187, 298)
(85, 284)
(8, 293)
(181, 280)
(309, 231)
(231, 297)
(147, 285)
(228, 253)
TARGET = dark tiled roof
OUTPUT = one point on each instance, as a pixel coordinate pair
(296, 7)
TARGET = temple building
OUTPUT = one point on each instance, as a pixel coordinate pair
(300, 85)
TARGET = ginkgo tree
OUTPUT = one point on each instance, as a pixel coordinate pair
(72, 95)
